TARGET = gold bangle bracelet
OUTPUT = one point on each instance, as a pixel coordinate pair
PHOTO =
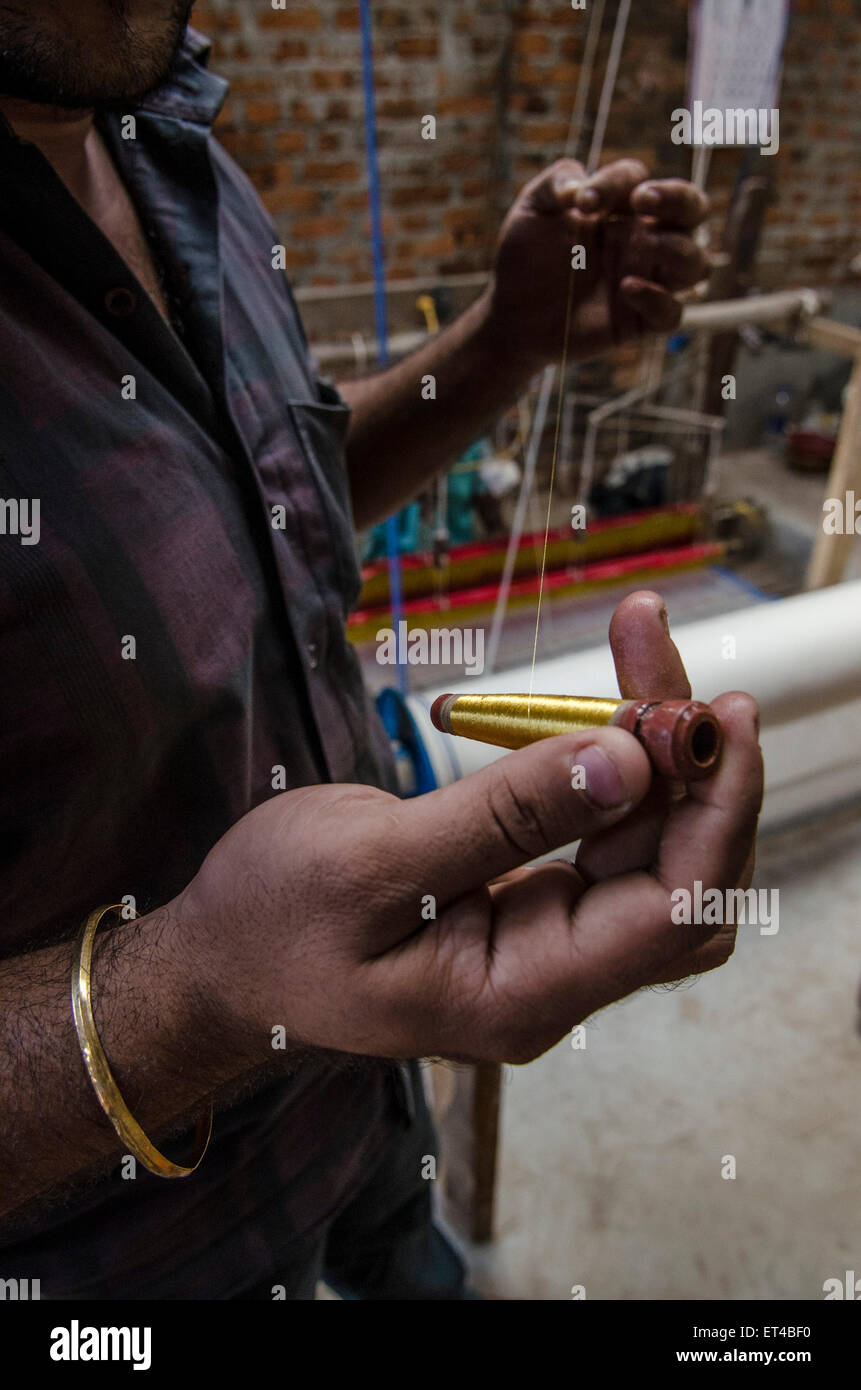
(99, 1071)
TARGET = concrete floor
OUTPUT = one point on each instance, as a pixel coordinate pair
(610, 1166)
(793, 502)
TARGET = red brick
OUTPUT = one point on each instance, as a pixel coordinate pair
(417, 48)
(466, 106)
(262, 112)
(403, 107)
(413, 196)
(461, 161)
(250, 86)
(548, 133)
(304, 17)
(291, 50)
(213, 21)
(296, 257)
(564, 75)
(460, 218)
(290, 141)
(328, 80)
(432, 247)
(242, 143)
(532, 41)
(326, 171)
(312, 228)
(352, 202)
(281, 199)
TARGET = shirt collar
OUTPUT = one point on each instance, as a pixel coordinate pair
(190, 92)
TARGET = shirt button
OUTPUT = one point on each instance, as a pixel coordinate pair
(313, 655)
(121, 302)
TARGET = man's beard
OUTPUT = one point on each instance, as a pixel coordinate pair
(47, 62)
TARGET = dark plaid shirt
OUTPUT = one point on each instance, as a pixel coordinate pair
(161, 459)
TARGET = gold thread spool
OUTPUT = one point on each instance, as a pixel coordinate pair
(682, 737)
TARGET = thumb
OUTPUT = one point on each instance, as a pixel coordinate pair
(523, 805)
(555, 187)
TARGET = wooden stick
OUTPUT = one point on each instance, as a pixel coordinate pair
(832, 336)
(469, 1138)
(831, 552)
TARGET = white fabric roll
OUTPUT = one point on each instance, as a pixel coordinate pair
(799, 657)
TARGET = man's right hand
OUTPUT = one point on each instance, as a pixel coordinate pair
(313, 912)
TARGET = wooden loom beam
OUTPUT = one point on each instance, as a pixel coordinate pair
(831, 552)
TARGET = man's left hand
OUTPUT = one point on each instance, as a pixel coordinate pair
(639, 253)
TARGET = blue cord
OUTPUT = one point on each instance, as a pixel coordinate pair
(380, 312)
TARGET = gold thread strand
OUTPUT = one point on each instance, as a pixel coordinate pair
(562, 369)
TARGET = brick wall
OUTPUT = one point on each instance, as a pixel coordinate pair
(500, 77)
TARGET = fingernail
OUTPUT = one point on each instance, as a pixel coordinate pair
(649, 197)
(588, 199)
(664, 618)
(756, 721)
(572, 186)
(602, 781)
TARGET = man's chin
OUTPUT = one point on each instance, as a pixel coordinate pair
(39, 65)
(78, 97)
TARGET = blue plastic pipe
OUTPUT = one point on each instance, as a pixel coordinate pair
(380, 310)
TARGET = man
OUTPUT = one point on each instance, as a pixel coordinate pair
(175, 641)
